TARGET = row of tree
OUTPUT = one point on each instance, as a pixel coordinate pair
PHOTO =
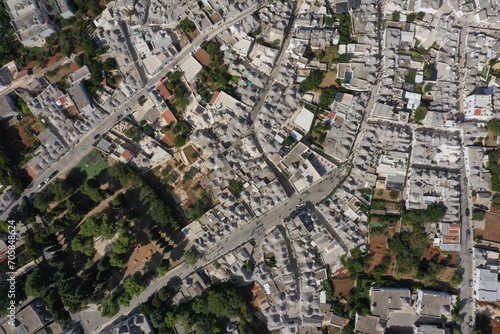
(10, 174)
(132, 286)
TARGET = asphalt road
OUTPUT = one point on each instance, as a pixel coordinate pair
(92, 321)
(466, 262)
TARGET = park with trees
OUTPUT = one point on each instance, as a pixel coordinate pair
(127, 208)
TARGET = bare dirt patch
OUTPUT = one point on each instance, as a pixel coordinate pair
(169, 138)
(191, 154)
(385, 195)
(491, 139)
(329, 79)
(491, 230)
(435, 253)
(28, 128)
(142, 256)
(447, 274)
(378, 249)
(194, 34)
(58, 73)
(342, 287)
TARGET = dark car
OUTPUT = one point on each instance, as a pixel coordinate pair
(467, 233)
(471, 252)
(466, 181)
(97, 136)
(471, 321)
(467, 212)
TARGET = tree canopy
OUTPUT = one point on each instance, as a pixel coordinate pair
(420, 114)
(312, 81)
(191, 256)
(494, 126)
(433, 214)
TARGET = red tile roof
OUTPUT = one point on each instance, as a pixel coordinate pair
(127, 155)
(74, 67)
(169, 117)
(164, 92)
(62, 100)
(202, 56)
(477, 112)
(214, 97)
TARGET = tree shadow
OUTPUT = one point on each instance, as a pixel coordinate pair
(177, 253)
(153, 263)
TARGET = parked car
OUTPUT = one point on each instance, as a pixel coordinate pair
(467, 233)
(471, 321)
(466, 181)
(471, 252)
(467, 212)
(471, 282)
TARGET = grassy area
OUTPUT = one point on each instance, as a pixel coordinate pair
(92, 168)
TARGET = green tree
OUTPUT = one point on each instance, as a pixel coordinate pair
(134, 285)
(170, 319)
(4, 226)
(236, 187)
(213, 50)
(186, 25)
(410, 18)
(312, 81)
(83, 245)
(90, 228)
(327, 97)
(93, 193)
(429, 70)
(494, 126)
(478, 215)
(118, 260)
(433, 214)
(109, 307)
(109, 64)
(164, 267)
(410, 76)
(344, 58)
(42, 199)
(36, 284)
(420, 113)
(60, 189)
(289, 141)
(123, 244)
(179, 141)
(124, 299)
(345, 28)
(396, 16)
(191, 256)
